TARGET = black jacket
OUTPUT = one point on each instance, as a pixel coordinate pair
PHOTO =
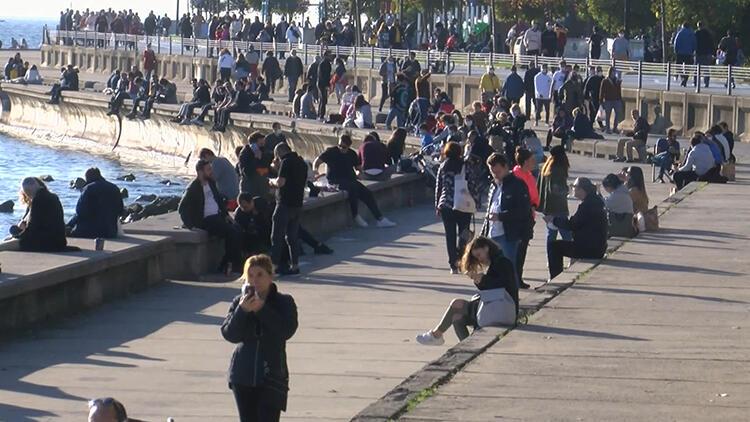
(293, 68)
(324, 73)
(98, 210)
(549, 42)
(592, 86)
(260, 356)
(515, 209)
(704, 43)
(192, 202)
(45, 231)
(589, 226)
(528, 81)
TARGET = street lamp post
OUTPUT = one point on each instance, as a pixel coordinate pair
(626, 19)
(492, 25)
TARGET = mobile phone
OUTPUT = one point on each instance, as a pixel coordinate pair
(247, 289)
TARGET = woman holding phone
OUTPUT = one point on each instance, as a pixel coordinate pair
(260, 321)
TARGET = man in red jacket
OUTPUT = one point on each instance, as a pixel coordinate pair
(149, 62)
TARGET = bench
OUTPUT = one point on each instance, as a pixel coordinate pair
(38, 286)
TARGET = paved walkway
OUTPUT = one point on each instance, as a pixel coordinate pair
(657, 332)
(161, 351)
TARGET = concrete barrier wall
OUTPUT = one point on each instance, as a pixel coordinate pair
(687, 112)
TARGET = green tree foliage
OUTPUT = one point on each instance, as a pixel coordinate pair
(609, 14)
(284, 7)
(718, 15)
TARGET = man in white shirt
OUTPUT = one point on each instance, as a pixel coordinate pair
(543, 93)
(699, 161)
(204, 207)
(558, 80)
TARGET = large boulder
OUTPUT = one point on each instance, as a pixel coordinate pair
(127, 178)
(47, 178)
(78, 183)
(7, 206)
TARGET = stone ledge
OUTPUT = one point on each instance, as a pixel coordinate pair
(395, 403)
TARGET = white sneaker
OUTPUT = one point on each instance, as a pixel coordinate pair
(384, 223)
(361, 221)
(428, 339)
(454, 271)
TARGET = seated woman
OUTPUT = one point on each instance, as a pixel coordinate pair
(42, 228)
(589, 227)
(363, 113)
(375, 159)
(637, 188)
(32, 77)
(619, 207)
(561, 128)
(498, 294)
(582, 127)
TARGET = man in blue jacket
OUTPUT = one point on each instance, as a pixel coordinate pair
(98, 209)
(684, 48)
(513, 88)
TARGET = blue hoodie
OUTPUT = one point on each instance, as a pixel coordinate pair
(684, 42)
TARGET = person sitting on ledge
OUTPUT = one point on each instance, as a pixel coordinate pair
(239, 104)
(226, 102)
(498, 294)
(341, 162)
(99, 208)
(698, 163)
(42, 228)
(68, 82)
(619, 207)
(589, 227)
(667, 154)
(375, 158)
(582, 127)
(141, 96)
(561, 128)
(307, 104)
(227, 179)
(31, 77)
(201, 97)
(119, 95)
(203, 207)
(218, 95)
(638, 143)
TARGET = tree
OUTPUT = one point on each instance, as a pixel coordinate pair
(282, 7)
(720, 16)
(609, 14)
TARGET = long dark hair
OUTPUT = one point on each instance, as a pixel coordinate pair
(359, 102)
(558, 159)
(469, 264)
(635, 178)
(398, 138)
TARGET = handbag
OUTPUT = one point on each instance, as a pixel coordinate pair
(649, 220)
(462, 199)
(496, 307)
(601, 114)
(728, 171)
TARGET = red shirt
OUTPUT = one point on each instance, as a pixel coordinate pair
(149, 60)
(530, 181)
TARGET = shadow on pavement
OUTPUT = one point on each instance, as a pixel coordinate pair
(575, 332)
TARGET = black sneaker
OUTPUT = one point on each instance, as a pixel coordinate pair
(323, 249)
(287, 271)
(524, 285)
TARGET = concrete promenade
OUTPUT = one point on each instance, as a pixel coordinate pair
(162, 354)
(659, 331)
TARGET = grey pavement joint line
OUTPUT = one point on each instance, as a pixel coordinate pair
(424, 383)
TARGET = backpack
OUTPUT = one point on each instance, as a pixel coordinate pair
(496, 307)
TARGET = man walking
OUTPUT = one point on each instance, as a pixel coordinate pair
(324, 81)
(542, 93)
(513, 88)
(591, 93)
(528, 86)
(149, 63)
(704, 51)
(291, 192)
(684, 48)
(610, 97)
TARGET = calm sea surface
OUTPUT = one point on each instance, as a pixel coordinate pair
(19, 159)
(31, 29)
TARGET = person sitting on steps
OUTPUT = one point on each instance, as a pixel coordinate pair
(498, 292)
(640, 136)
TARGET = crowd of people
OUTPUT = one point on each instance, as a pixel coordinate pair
(18, 71)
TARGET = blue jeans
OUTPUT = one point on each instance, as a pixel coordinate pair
(664, 161)
(396, 114)
(510, 251)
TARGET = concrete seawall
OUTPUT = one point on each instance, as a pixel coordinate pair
(83, 115)
(684, 111)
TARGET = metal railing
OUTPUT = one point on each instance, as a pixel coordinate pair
(463, 63)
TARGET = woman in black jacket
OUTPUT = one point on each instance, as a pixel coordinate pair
(42, 228)
(481, 254)
(260, 321)
(589, 226)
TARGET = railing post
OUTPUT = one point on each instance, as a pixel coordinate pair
(698, 78)
(640, 74)
(355, 57)
(372, 57)
(158, 43)
(669, 75)
(136, 43)
(447, 62)
(588, 66)
(75, 37)
(515, 58)
(536, 62)
(305, 52)
(468, 61)
(170, 46)
(492, 58)
(729, 80)
(115, 37)
(427, 65)
(337, 51)
(208, 46)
